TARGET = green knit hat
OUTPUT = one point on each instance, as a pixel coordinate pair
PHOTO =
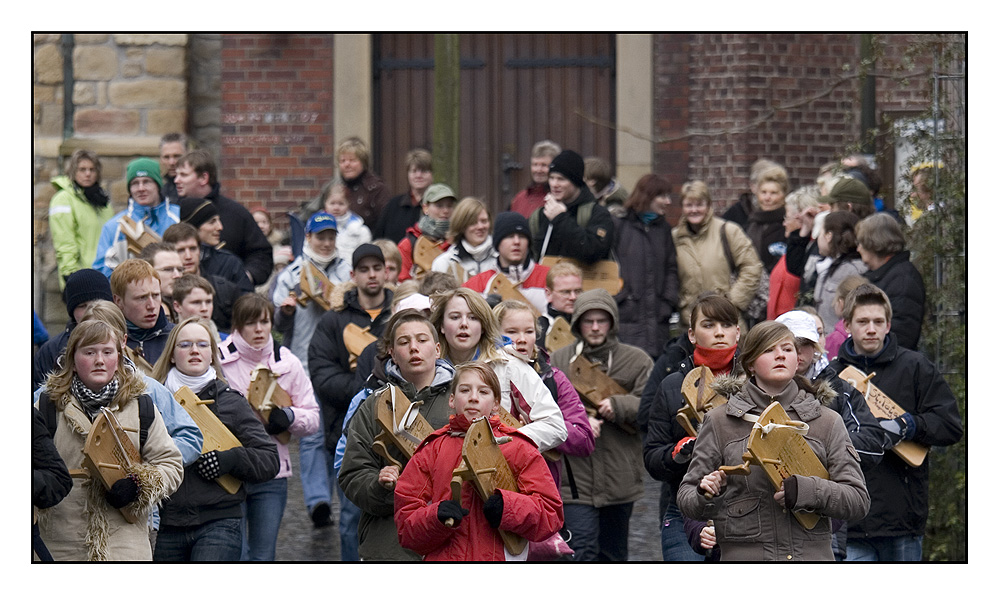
(143, 166)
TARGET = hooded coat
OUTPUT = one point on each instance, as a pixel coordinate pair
(377, 535)
(533, 512)
(749, 524)
(613, 473)
(702, 264)
(83, 526)
(239, 365)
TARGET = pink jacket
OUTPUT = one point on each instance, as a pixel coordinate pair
(834, 339)
(238, 361)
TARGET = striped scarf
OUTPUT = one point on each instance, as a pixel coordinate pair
(91, 402)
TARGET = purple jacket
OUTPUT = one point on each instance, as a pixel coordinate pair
(580, 438)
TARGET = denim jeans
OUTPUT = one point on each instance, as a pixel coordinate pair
(598, 533)
(350, 515)
(316, 473)
(893, 548)
(673, 539)
(217, 540)
(265, 505)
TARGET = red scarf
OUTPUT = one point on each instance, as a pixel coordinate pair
(718, 361)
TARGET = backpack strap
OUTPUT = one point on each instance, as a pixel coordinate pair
(147, 413)
(48, 410)
(583, 214)
(725, 247)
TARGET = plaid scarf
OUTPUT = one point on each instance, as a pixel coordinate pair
(91, 402)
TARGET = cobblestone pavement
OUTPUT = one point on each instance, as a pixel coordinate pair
(299, 541)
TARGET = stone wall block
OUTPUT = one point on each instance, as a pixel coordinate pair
(48, 64)
(90, 38)
(43, 94)
(43, 38)
(148, 40)
(160, 122)
(94, 63)
(50, 124)
(165, 61)
(147, 94)
(84, 94)
(100, 121)
(132, 70)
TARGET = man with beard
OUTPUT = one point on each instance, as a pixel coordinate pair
(366, 304)
(599, 491)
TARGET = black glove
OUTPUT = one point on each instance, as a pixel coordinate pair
(451, 510)
(493, 509)
(213, 464)
(279, 420)
(123, 492)
(682, 450)
(899, 429)
(791, 485)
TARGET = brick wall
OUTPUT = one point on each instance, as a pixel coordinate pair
(276, 119)
(724, 82)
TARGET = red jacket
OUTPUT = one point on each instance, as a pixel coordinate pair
(783, 291)
(529, 199)
(534, 513)
(406, 251)
(531, 285)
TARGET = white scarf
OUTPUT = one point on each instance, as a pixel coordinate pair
(320, 261)
(176, 379)
(479, 253)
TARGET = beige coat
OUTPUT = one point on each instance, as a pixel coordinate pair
(702, 265)
(83, 526)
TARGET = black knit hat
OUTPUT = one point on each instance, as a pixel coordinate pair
(507, 223)
(569, 164)
(83, 286)
(197, 211)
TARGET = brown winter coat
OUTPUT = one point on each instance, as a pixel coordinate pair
(702, 264)
(613, 473)
(750, 524)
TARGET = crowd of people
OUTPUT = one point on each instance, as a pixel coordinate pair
(468, 315)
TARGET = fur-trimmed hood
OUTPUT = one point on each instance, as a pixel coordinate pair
(730, 385)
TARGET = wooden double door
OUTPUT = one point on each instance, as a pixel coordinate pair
(516, 89)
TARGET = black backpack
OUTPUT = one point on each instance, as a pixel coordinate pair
(146, 415)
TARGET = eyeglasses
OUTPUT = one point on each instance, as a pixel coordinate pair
(171, 270)
(186, 345)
